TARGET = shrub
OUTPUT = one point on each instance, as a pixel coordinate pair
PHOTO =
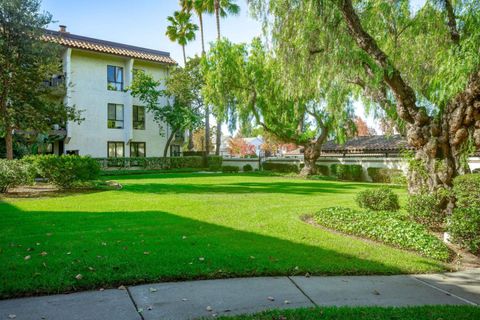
(388, 227)
(467, 190)
(351, 172)
(323, 169)
(247, 168)
(280, 167)
(215, 163)
(230, 169)
(14, 173)
(65, 171)
(464, 228)
(424, 208)
(378, 199)
(385, 175)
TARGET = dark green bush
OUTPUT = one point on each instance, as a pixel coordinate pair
(385, 175)
(323, 169)
(280, 167)
(467, 190)
(464, 228)
(65, 171)
(351, 172)
(379, 199)
(247, 168)
(388, 227)
(230, 169)
(424, 208)
(215, 163)
(14, 173)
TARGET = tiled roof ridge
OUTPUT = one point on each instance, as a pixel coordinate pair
(98, 45)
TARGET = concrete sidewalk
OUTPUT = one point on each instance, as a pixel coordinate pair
(210, 298)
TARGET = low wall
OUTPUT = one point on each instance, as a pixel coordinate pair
(240, 162)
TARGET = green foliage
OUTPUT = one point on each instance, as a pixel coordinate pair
(378, 199)
(152, 163)
(230, 169)
(65, 171)
(215, 163)
(388, 227)
(425, 208)
(247, 168)
(280, 167)
(324, 170)
(14, 173)
(464, 228)
(385, 175)
(181, 29)
(351, 172)
(467, 190)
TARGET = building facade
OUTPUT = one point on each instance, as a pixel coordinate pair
(97, 74)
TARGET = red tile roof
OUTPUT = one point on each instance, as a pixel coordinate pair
(79, 42)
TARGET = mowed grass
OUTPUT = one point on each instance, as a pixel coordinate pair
(368, 313)
(184, 226)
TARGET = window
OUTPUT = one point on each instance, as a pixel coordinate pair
(138, 118)
(115, 116)
(116, 149)
(174, 150)
(137, 149)
(115, 78)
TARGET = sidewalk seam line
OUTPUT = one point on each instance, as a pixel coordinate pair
(303, 292)
(134, 303)
(445, 291)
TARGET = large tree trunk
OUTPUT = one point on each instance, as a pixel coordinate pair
(207, 130)
(190, 140)
(218, 138)
(311, 154)
(9, 143)
(169, 141)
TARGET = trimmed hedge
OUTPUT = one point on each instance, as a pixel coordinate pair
(378, 199)
(324, 170)
(388, 227)
(351, 172)
(247, 168)
(464, 228)
(215, 163)
(14, 173)
(160, 163)
(280, 167)
(467, 190)
(424, 208)
(230, 169)
(66, 170)
(385, 175)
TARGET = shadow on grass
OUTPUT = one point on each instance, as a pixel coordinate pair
(119, 248)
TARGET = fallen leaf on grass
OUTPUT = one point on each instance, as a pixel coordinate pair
(43, 253)
(91, 269)
(79, 277)
(201, 259)
(146, 253)
(27, 257)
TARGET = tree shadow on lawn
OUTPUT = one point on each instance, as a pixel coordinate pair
(123, 248)
(294, 187)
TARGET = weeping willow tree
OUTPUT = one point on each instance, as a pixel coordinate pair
(419, 66)
(244, 83)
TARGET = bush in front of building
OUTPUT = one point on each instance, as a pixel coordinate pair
(15, 173)
(322, 169)
(467, 190)
(215, 163)
(230, 169)
(378, 199)
(464, 228)
(247, 168)
(425, 208)
(386, 175)
(352, 172)
(65, 171)
(280, 167)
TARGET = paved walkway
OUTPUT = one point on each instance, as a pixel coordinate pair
(210, 298)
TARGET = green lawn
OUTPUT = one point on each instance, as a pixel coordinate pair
(369, 313)
(184, 226)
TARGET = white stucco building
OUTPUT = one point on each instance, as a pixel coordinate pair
(115, 124)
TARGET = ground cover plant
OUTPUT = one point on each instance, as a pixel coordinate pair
(388, 227)
(368, 313)
(161, 227)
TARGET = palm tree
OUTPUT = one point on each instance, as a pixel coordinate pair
(181, 30)
(199, 7)
(221, 8)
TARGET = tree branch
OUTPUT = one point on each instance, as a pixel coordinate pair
(452, 24)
